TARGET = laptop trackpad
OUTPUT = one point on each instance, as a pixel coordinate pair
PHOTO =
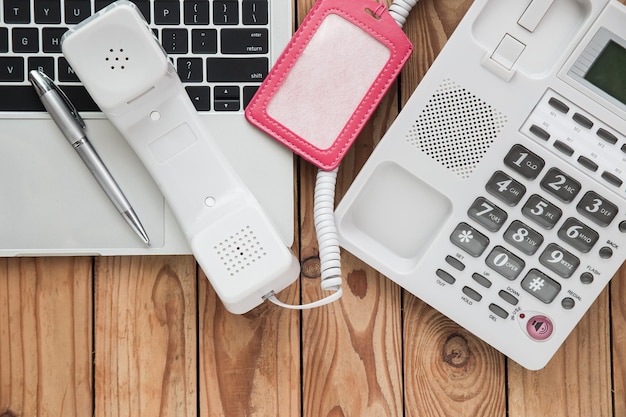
(62, 206)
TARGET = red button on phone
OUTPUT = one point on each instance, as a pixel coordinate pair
(539, 327)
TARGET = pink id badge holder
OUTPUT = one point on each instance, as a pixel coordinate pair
(330, 78)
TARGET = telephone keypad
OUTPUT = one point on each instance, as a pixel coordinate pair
(558, 259)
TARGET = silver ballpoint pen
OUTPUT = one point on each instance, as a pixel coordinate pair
(73, 128)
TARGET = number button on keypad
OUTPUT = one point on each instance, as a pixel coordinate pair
(505, 263)
(524, 162)
(560, 185)
(541, 286)
(578, 235)
(505, 188)
(559, 260)
(541, 211)
(469, 239)
(487, 214)
(597, 208)
(523, 237)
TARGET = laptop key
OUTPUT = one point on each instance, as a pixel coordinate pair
(25, 40)
(51, 39)
(167, 12)
(204, 41)
(11, 69)
(254, 12)
(225, 12)
(19, 98)
(76, 11)
(244, 41)
(237, 69)
(4, 40)
(47, 11)
(16, 11)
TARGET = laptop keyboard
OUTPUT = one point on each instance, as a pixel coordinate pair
(219, 48)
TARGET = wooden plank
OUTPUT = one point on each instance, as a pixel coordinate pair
(249, 364)
(146, 336)
(45, 337)
(618, 332)
(577, 381)
(447, 370)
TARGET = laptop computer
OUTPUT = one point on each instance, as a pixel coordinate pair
(51, 204)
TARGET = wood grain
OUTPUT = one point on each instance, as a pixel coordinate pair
(618, 333)
(146, 336)
(249, 364)
(577, 381)
(45, 337)
(448, 371)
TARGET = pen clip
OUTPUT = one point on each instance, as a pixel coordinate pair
(70, 106)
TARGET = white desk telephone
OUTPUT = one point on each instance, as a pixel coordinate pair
(498, 195)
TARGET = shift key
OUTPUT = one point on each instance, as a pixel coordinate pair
(237, 69)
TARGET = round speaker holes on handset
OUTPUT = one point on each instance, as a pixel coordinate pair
(209, 201)
(155, 115)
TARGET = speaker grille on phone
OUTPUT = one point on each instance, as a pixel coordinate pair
(456, 128)
(239, 251)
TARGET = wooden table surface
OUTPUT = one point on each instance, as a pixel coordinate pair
(146, 336)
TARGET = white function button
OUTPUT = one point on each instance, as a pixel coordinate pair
(534, 13)
(508, 51)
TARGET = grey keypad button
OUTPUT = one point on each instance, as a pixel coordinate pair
(471, 293)
(508, 297)
(563, 147)
(559, 261)
(455, 263)
(582, 120)
(524, 162)
(612, 179)
(560, 185)
(541, 286)
(578, 235)
(445, 276)
(498, 311)
(541, 211)
(597, 208)
(487, 214)
(469, 239)
(539, 132)
(588, 163)
(505, 263)
(586, 278)
(485, 282)
(523, 237)
(558, 105)
(505, 188)
(605, 252)
(607, 136)
(568, 303)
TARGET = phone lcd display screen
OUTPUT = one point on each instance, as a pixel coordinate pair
(608, 72)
